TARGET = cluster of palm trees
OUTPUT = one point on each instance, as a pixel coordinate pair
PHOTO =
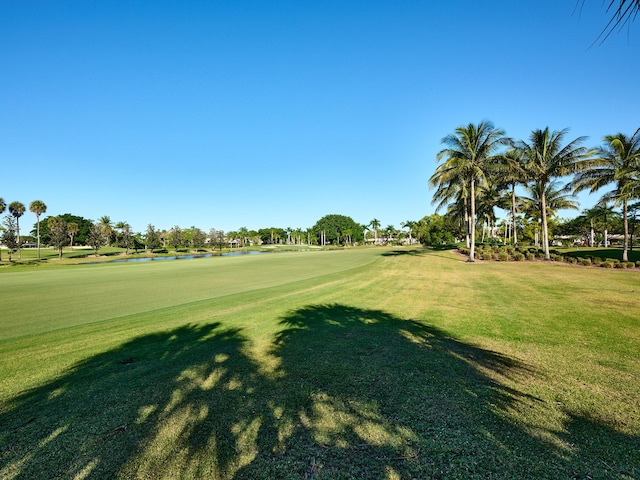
(481, 165)
(11, 228)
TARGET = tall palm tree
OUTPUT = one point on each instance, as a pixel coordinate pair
(408, 224)
(375, 224)
(547, 159)
(615, 163)
(17, 210)
(470, 154)
(38, 207)
(72, 229)
(512, 172)
(3, 207)
(124, 235)
(106, 225)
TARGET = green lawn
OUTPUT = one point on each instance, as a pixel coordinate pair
(363, 363)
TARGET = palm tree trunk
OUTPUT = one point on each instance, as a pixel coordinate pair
(625, 240)
(473, 222)
(38, 228)
(513, 215)
(466, 223)
(545, 233)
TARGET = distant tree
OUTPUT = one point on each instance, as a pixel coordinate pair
(176, 237)
(152, 238)
(198, 238)
(434, 230)
(217, 239)
(72, 230)
(243, 234)
(124, 236)
(332, 228)
(97, 237)
(38, 207)
(107, 229)
(59, 232)
(17, 210)
(80, 237)
(375, 225)
(9, 238)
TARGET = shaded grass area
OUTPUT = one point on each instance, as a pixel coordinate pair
(416, 366)
(404, 400)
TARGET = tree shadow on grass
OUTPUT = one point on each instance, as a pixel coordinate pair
(344, 393)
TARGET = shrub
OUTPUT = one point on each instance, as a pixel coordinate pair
(463, 250)
(638, 264)
(531, 256)
(607, 264)
(487, 255)
(630, 265)
(586, 262)
(572, 260)
(620, 265)
(503, 256)
(510, 250)
(597, 260)
(518, 257)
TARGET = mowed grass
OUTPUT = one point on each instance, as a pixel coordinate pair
(372, 363)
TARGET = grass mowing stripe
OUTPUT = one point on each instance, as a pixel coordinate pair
(37, 301)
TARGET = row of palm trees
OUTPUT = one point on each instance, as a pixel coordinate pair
(16, 210)
(479, 162)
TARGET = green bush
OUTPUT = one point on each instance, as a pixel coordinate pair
(463, 250)
(518, 257)
(487, 255)
(630, 265)
(638, 264)
(620, 265)
(572, 260)
(531, 256)
(597, 260)
(607, 264)
(503, 256)
(586, 262)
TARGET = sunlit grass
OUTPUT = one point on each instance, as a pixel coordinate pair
(373, 363)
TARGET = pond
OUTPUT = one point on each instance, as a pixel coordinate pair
(178, 257)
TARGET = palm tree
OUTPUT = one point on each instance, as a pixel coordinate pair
(454, 190)
(409, 224)
(17, 210)
(375, 224)
(512, 173)
(72, 229)
(3, 207)
(545, 160)
(107, 227)
(38, 207)
(470, 155)
(124, 234)
(616, 163)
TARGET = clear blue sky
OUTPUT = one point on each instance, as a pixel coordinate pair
(259, 114)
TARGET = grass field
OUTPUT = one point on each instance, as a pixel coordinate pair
(370, 363)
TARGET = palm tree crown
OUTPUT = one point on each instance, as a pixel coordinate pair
(38, 207)
(546, 158)
(469, 156)
(616, 163)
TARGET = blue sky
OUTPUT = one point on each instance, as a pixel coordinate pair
(260, 114)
